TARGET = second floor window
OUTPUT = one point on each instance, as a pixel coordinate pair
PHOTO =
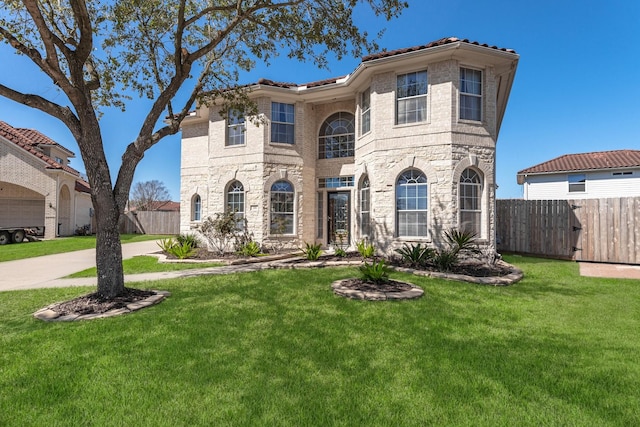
(470, 94)
(235, 128)
(337, 137)
(282, 123)
(411, 98)
(365, 112)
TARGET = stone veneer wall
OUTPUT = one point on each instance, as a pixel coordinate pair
(441, 147)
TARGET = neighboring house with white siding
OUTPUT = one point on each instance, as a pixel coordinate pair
(597, 175)
(399, 151)
(38, 188)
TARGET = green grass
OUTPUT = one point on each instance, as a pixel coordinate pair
(14, 251)
(277, 348)
(147, 264)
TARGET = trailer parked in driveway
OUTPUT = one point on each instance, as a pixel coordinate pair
(18, 234)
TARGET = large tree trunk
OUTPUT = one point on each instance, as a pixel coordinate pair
(107, 210)
(108, 250)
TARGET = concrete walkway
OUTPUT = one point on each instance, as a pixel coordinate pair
(46, 271)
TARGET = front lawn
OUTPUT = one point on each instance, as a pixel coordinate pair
(59, 245)
(277, 348)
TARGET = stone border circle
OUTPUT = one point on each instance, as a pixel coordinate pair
(343, 291)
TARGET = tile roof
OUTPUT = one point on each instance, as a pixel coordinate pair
(166, 206)
(23, 141)
(82, 186)
(441, 42)
(379, 55)
(587, 161)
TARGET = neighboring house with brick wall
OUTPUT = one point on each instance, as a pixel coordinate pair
(597, 175)
(400, 150)
(38, 188)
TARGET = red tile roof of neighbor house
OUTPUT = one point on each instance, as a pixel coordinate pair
(615, 159)
(165, 206)
(384, 54)
(29, 139)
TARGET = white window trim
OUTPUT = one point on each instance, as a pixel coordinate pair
(481, 96)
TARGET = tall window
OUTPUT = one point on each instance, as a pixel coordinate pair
(337, 136)
(196, 208)
(282, 123)
(365, 112)
(577, 183)
(235, 128)
(411, 98)
(470, 191)
(235, 202)
(365, 207)
(411, 204)
(282, 208)
(470, 94)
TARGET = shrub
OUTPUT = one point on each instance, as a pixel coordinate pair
(250, 248)
(416, 255)
(340, 252)
(220, 231)
(445, 259)
(376, 272)
(462, 241)
(366, 249)
(166, 244)
(182, 251)
(312, 251)
(188, 239)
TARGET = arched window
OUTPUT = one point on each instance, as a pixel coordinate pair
(196, 208)
(337, 136)
(282, 207)
(365, 207)
(470, 207)
(411, 204)
(235, 201)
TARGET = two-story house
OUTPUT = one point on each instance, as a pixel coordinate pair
(596, 175)
(400, 150)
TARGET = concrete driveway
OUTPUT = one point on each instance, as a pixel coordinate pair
(41, 272)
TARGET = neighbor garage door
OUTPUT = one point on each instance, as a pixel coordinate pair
(21, 213)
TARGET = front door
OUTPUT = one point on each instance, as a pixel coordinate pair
(339, 218)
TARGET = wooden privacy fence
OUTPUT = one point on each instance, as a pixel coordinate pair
(600, 230)
(151, 222)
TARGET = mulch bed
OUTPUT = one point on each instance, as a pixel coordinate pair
(94, 303)
(389, 286)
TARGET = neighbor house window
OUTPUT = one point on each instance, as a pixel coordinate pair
(235, 128)
(469, 194)
(365, 207)
(282, 207)
(411, 204)
(196, 208)
(470, 94)
(235, 202)
(365, 112)
(411, 98)
(282, 123)
(577, 183)
(337, 136)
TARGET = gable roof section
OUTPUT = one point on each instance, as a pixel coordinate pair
(37, 138)
(21, 140)
(601, 160)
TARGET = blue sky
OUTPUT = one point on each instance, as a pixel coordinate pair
(577, 88)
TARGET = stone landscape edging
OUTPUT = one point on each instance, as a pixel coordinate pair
(47, 313)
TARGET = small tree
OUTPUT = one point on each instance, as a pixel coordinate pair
(219, 232)
(146, 195)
